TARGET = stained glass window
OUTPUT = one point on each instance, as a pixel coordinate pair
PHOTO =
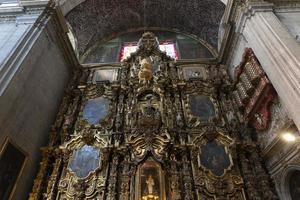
(168, 48)
(176, 45)
(127, 50)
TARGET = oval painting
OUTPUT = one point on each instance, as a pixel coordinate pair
(85, 160)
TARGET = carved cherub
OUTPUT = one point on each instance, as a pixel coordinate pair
(145, 73)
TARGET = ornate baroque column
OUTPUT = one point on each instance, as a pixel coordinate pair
(277, 51)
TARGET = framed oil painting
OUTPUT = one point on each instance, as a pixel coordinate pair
(191, 72)
(101, 75)
(202, 107)
(85, 160)
(215, 158)
(12, 161)
(96, 110)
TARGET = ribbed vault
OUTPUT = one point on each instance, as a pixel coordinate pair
(96, 19)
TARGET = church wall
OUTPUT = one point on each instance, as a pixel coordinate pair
(30, 102)
(237, 54)
(281, 157)
(10, 35)
(292, 22)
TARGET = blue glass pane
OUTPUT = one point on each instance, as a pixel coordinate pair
(85, 160)
(214, 157)
(95, 110)
(202, 107)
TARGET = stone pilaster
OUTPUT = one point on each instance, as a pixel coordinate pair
(277, 51)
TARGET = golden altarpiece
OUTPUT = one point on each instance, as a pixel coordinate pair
(151, 129)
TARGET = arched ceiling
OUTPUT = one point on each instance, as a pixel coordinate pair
(96, 19)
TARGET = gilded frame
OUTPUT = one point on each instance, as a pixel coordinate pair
(105, 119)
(138, 192)
(115, 75)
(77, 143)
(220, 139)
(195, 120)
(182, 71)
(7, 141)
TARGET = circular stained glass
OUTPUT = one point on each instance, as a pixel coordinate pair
(96, 110)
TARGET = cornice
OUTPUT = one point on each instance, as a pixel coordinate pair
(34, 2)
(14, 60)
(249, 9)
(284, 2)
(10, 13)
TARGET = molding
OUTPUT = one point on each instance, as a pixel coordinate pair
(16, 57)
(284, 184)
(64, 42)
(288, 9)
(266, 35)
(248, 10)
(14, 60)
(11, 9)
(34, 2)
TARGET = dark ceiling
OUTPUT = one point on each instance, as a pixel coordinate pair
(93, 20)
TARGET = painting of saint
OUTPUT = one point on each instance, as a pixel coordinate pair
(95, 110)
(294, 185)
(214, 158)
(11, 163)
(202, 107)
(85, 160)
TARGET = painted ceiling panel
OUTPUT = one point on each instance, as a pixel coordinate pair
(96, 19)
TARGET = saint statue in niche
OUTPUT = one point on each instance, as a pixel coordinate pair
(150, 181)
(150, 184)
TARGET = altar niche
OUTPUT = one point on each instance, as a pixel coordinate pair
(150, 182)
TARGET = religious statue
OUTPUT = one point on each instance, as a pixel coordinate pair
(150, 184)
(145, 73)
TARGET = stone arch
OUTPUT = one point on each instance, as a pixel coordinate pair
(68, 5)
(92, 20)
(284, 182)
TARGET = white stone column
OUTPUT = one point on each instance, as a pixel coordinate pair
(277, 51)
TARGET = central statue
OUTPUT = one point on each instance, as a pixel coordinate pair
(145, 73)
(150, 184)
